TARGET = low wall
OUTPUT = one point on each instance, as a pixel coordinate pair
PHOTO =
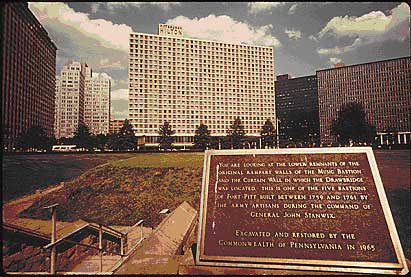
(22, 253)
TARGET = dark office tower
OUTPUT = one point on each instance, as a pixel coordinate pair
(382, 88)
(296, 104)
(28, 74)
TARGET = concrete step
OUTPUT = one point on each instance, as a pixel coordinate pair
(135, 236)
(92, 264)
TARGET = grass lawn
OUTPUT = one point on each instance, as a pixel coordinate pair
(162, 160)
(23, 174)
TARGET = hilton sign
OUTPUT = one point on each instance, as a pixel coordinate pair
(169, 30)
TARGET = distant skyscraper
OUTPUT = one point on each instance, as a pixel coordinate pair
(296, 101)
(28, 74)
(70, 87)
(115, 125)
(382, 87)
(189, 81)
(97, 102)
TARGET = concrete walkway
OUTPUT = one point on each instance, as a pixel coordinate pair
(161, 252)
(12, 209)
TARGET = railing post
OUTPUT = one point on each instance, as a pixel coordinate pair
(141, 231)
(122, 246)
(100, 245)
(53, 239)
(53, 256)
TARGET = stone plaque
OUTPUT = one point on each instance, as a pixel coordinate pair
(305, 209)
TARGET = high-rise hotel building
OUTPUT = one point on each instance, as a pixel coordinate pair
(70, 88)
(382, 87)
(189, 81)
(27, 74)
(97, 102)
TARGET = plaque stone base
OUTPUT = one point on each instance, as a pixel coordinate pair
(188, 267)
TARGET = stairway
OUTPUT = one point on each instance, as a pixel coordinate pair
(92, 264)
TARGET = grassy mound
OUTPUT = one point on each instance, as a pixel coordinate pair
(123, 192)
(122, 196)
(23, 174)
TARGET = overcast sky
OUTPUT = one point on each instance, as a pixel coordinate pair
(306, 36)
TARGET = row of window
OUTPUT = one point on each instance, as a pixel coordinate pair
(192, 67)
(162, 97)
(142, 47)
(202, 45)
(193, 43)
(180, 57)
(380, 68)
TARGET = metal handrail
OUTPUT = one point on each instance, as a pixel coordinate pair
(108, 230)
(63, 238)
(134, 247)
(105, 226)
(16, 228)
(120, 262)
(81, 244)
(135, 225)
(91, 246)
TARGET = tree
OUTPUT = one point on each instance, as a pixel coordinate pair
(34, 138)
(101, 141)
(112, 141)
(202, 138)
(64, 140)
(268, 134)
(351, 125)
(217, 142)
(83, 138)
(50, 142)
(392, 135)
(371, 134)
(236, 133)
(125, 139)
(6, 137)
(166, 136)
